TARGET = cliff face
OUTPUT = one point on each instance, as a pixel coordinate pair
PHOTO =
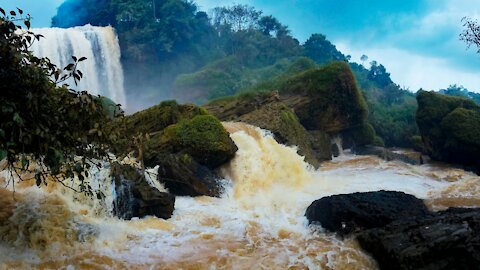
(305, 110)
(450, 128)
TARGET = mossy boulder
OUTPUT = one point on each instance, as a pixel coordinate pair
(360, 135)
(450, 128)
(202, 137)
(160, 116)
(286, 128)
(147, 124)
(326, 99)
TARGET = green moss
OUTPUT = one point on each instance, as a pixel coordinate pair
(151, 121)
(417, 143)
(461, 128)
(160, 116)
(360, 135)
(334, 100)
(378, 141)
(205, 139)
(202, 137)
(440, 139)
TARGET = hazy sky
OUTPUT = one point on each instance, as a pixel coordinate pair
(416, 40)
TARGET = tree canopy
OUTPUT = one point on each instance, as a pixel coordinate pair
(471, 33)
(43, 121)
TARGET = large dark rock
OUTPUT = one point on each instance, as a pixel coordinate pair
(348, 213)
(450, 128)
(326, 99)
(183, 176)
(444, 240)
(134, 197)
(150, 121)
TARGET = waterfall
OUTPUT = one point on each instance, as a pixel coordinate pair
(103, 74)
(337, 140)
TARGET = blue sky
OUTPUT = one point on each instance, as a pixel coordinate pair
(417, 40)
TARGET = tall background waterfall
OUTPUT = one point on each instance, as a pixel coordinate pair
(103, 74)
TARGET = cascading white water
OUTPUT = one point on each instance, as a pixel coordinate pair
(337, 140)
(103, 74)
(258, 223)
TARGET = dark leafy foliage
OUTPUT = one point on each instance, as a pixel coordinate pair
(471, 33)
(56, 128)
(322, 51)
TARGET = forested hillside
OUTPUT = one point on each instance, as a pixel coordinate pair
(171, 49)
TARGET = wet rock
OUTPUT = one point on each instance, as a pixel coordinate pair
(203, 137)
(266, 111)
(134, 197)
(183, 176)
(388, 155)
(450, 128)
(348, 213)
(444, 240)
(150, 121)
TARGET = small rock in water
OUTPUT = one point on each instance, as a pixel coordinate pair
(136, 198)
(183, 176)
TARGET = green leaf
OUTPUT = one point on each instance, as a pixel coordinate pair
(17, 119)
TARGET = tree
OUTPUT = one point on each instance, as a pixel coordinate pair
(237, 17)
(379, 74)
(59, 129)
(363, 58)
(471, 33)
(322, 51)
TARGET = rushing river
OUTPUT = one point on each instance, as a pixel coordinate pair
(258, 223)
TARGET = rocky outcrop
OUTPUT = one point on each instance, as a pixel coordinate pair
(183, 176)
(267, 112)
(349, 213)
(450, 128)
(400, 233)
(134, 197)
(148, 122)
(169, 132)
(326, 99)
(304, 110)
(441, 241)
(203, 137)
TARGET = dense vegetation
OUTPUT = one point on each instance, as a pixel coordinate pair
(44, 127)
(171, 49)
(450, 127)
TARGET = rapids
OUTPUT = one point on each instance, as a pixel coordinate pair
(103, 73)
(258, 223)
